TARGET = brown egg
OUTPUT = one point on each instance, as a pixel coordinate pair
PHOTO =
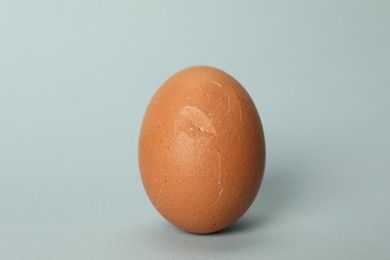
(201, 150)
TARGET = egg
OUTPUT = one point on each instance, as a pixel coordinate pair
(201, 150)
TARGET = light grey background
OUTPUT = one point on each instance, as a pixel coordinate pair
(76, 77)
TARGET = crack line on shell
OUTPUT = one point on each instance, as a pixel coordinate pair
(228, 105)
(216, 83)
(219, 163)
(219, 174)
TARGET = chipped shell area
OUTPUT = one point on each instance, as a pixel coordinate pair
(201, 150)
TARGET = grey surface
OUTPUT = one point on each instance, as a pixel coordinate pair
(76, 77)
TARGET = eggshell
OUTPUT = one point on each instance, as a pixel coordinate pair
(201, 150)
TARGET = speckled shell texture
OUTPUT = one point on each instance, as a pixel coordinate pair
(201, 150)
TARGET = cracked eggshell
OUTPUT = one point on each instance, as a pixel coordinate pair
(201, 150)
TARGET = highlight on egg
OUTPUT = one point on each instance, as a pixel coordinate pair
(201, 150)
